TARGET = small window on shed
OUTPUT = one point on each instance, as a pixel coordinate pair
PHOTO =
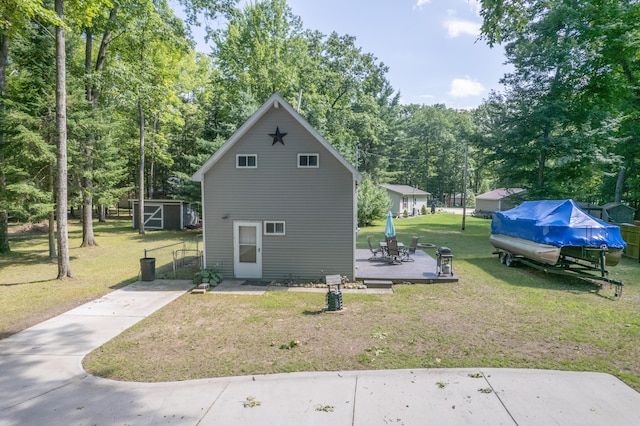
(246, 161)
(308, 160)
(274, 228)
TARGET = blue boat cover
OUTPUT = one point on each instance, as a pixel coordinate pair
(557, 223)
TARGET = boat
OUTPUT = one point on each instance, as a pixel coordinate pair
(542, 253)
(535, 226)
(557, 236)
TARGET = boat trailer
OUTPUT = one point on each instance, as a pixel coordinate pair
(590, 271)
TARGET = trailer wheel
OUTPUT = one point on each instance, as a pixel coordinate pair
(508, 260)
(501, 256)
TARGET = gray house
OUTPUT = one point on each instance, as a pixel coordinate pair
(278, 201)
(406, 198)
(500, 199)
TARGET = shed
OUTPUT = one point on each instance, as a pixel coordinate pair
(617, 213)
(500, 199)
(278, 201)
(164, 214)
(406, 198)
(592, 209)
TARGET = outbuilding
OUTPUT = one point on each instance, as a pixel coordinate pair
(617, 213)
(500, 199)
(279, 201)
(164, 214)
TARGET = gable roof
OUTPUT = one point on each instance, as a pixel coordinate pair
(499, 194)
(404, 189)
(275, 101)
(610, 206)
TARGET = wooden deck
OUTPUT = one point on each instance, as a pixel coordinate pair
(421, 271)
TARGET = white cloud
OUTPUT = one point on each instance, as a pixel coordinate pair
(475, 6)
(463, 87)
(421, 3)
(456, 27)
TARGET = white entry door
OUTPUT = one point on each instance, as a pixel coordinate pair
(247, 249)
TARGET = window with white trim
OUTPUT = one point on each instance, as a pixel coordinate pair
(309, 161)
(246, 161)
(273, 227)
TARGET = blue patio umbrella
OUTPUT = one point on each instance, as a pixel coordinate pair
(389, 230)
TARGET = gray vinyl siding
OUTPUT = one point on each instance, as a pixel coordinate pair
(316, 204)
(487, 205)
(396, 201)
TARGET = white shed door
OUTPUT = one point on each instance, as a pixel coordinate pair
(247, 249)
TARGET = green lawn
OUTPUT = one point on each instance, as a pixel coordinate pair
(493, 317)
(29, 292)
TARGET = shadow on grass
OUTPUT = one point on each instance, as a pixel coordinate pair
(521, 275)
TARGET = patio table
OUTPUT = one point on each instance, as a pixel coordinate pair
(383, 246)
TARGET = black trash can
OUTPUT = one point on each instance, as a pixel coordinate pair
(148, 268)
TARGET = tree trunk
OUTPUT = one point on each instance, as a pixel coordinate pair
(52, 214)
(141, 174)
(64, 267)
(88, 238)
(541, 165)
(152, 164)
(4, 215)
(619, 185)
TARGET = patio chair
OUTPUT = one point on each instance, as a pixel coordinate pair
(375, 251)
(393, 252)
(407, 252)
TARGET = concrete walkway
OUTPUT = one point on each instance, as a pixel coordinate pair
(42, 382)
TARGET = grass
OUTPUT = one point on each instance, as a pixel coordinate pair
(493, 317)
(30, 292)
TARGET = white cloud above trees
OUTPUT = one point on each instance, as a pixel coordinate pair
(465, 87)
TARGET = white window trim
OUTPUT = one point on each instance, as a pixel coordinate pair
(284, 227)
(308, 154)
(238, 166)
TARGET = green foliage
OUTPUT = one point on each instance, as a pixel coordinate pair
(373, 202)
(211, 276)
(292, 344)
(566, 126)
(28, 124)
(568, 123)
(431, 156)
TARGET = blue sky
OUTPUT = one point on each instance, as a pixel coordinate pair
(430, 46)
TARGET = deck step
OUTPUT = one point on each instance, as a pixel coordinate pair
(378, 283)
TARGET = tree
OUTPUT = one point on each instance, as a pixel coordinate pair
(431, 154)
(92, 91)
(29, 144)
(373, 202)
(577, 68)
(261, 51)
(64, 267)
(14, 16)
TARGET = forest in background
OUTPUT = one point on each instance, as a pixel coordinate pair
(142, 106)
